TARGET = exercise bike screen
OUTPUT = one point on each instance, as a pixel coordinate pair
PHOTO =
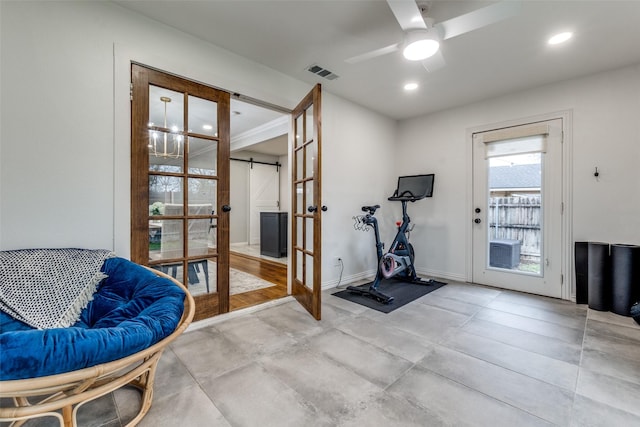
(416, 185)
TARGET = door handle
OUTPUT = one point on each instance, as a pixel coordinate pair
(477, 220)
(226, 208)
(315, 208)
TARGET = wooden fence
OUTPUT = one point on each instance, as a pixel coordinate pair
(517, 218)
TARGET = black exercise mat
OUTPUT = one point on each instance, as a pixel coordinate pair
(403, 293)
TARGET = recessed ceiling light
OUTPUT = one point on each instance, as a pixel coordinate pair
(411, 86)
(560, 38)
(207, 127)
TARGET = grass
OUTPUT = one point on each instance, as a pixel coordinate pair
(529, 267)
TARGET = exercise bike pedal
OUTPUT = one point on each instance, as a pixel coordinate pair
(385, 299)
(419, 281)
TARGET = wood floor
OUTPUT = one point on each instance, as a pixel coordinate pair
(270, 271)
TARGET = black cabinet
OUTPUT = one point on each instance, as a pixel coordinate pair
(273, 234)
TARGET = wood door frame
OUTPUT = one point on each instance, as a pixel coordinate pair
(309, 299)
(141, 77)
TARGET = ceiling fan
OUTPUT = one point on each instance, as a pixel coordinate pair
(422, 38)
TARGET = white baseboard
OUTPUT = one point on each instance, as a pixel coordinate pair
(441, 274)
(348, 279)
(424, 273)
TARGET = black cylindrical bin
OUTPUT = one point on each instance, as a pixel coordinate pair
(625, 277)
(635, 312)
(599, 284)
(582, 267)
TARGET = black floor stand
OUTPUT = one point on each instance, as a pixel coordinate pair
(373, 292)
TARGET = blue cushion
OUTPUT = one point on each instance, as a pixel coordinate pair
(132, 310)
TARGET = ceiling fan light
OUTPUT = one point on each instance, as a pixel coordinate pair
(420, 45)
(560, 38)
(421, 49)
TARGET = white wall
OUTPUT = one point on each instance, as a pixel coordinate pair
(357, 170)
(65, 114)
(606, 134)
(65, 127)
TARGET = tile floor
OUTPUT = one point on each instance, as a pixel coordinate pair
(463, 355)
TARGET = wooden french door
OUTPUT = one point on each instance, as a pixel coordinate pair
(306, 202)
(180, 184)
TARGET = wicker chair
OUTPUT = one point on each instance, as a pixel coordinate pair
(62, 394)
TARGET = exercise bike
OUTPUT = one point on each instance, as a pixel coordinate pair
(398, 262)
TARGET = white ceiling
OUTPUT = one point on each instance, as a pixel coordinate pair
(509, 56)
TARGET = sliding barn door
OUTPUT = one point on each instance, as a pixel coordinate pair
(264, 196)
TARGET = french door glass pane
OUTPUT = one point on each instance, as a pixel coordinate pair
(515, 213)
(299, 234)
(198, 243)
(310, 158)
(299, 199)
(299, 162)
(308, 124)
(201, 277)
(309, 234)
(203, 156)
(165, 239)
(163, 191)
(202, 196)
(299, 137)
(309, 272)
(166, 151)
(203, 116)
(308, 187)
(299, 269)
(166, 109)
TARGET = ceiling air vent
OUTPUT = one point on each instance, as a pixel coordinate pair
(322, 72)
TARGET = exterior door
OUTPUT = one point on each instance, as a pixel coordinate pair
(306, 203)
(517, 202)
(180, 184)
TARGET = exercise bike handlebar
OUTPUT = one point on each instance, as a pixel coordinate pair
(406, 196)
(370, 209)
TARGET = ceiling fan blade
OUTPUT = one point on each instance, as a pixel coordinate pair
(407, 14)
(477, 19)
(373, 54)
(434, 62)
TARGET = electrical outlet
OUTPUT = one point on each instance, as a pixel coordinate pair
(337, 261)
